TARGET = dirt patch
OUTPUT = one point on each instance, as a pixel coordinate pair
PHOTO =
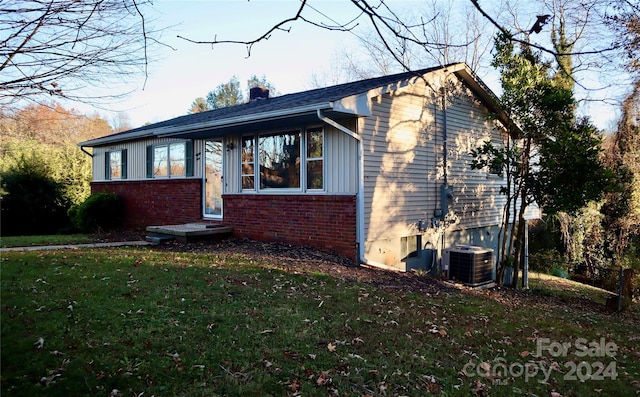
(291, 258)
(306, 260)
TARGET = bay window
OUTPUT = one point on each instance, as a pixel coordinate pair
(283, 160)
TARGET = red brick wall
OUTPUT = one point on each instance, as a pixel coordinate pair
(157, 201)
(320, 221)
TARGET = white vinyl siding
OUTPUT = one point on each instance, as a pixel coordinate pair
(341, 162)
(400, 176)
(477, 198)
(137, 157)
(404, 162)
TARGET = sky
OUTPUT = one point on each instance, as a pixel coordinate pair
(180, 75)
(181, 71)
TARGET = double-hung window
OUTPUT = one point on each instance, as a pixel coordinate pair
(248, 163)
(115, 165)
(315, 159)
(171, 159)
(284, 160)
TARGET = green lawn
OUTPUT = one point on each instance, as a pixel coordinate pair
(143, 321)
(59, 239)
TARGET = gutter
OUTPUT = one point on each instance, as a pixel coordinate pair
(85, 151)
(361, 259)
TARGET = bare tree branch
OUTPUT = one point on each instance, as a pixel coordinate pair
(249, 44)
(553, 52)
(59, 48)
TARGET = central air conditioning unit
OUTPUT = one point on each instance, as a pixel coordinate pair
(471, 265)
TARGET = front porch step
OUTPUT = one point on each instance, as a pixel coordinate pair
(185, 232)
(159, 238)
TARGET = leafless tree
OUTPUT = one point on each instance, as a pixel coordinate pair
(396, 34)
(71, 49)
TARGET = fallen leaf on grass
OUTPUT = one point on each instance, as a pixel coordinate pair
(331, 347)
(295, 385)
(39, 344)
(323, 380)
(524, 354)
(441, 332)
(479, 388)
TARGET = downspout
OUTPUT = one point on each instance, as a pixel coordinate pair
(444, 210)
(444, 135)
(360, 196)
(85, 151)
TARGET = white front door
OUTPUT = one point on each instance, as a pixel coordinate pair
(213, 178)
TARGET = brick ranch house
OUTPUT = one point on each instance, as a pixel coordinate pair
(376, 170)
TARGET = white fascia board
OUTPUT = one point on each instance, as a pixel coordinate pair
(360, 104)
(105, 140)
(481, 89)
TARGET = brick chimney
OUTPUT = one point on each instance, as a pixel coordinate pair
(258, 93)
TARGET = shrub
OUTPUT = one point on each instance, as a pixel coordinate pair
(544, 260)
(100, 211)
(559, 273)
(32, 201)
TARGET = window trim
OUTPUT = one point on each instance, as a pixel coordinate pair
(188, 159)
(304, 161)
(294, 131)
(308, 159)
(252, 137)
(123, 165)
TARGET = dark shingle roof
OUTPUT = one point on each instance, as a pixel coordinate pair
(290, 101)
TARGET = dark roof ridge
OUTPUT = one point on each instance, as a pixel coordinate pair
(278, 103)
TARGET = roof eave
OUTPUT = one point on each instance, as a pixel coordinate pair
(168, 131)
(240, 120)
(484, 92)
(106, 140)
